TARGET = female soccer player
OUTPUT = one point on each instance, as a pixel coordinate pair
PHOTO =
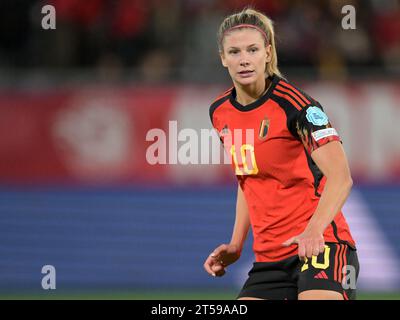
(293, 175)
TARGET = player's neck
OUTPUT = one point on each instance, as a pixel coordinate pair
(248, 94)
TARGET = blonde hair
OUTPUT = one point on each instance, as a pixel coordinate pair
(259, 20)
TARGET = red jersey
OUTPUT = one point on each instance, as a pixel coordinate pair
(280, 181)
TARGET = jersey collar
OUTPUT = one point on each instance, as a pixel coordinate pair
(274, 78)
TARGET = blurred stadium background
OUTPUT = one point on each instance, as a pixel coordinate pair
(76, 103)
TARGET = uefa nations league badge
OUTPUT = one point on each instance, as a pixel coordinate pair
(316, 116)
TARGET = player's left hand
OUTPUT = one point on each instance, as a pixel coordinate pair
(310, 243)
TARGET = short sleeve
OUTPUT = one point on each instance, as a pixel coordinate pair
(313, 127)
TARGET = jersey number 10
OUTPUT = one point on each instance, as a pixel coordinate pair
(242, 168)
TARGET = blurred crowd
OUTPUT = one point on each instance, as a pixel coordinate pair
(175, 40)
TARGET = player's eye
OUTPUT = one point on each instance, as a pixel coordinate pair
(233, 51)
(253, 49)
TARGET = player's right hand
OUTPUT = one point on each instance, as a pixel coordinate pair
(220, 258)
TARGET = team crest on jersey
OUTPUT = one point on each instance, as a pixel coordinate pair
(262, 134)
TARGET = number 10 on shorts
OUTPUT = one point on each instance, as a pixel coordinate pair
(324, 265)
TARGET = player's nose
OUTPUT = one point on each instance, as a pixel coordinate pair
(244, 63)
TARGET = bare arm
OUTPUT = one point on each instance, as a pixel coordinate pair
(332, 161)
(226, 254)
(242, 221)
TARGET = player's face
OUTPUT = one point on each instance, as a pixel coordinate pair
(245, 55)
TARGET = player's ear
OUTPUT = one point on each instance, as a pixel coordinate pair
(223, 60)
(268, 52)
